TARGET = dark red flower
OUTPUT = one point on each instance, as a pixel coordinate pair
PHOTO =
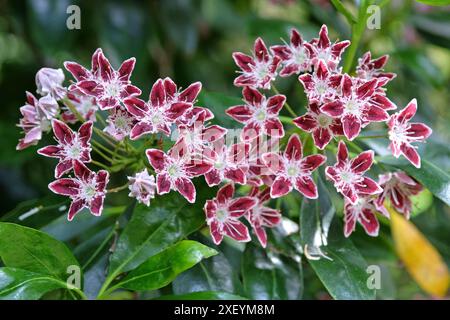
(71, 146)
(87, 189)
(348, 174)
(223, 213)
(322, 126)
(292, 170)
(402, 133)
(257, 71)
(259, 115)
(369, 68)
(364, 212)
(260, 216)
(108, 86)
(398, 187)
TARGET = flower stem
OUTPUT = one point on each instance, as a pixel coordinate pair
(117, 189)
(99, 164)
(288, 107)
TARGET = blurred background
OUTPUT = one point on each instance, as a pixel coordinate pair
(192, 40)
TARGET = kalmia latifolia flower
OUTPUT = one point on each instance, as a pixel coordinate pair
(176, 169)
(223, 213)
(295, 57)
(398, 187)
(49, 82)
(353, 106)
(321, 85)
(120, 122)
(108, 86)
(228, 163)
(142, 187)
(322, 126)
(199, 137)
(71, 146)
(292, 170)
(87, 189)
(157, 114)
(402, 133)
(323, 50)
(348, 174)
(260, 216)
(362, 211)
(369, 68)
(37, 116)
(259, 115)
(257, 71)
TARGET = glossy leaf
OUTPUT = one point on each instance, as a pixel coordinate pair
(344, 275)
(33, 250)
(161, 269)
(152, 229)
(432, 177)
(270, 278)
(19, 284)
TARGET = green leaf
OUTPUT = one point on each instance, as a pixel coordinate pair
(204, 295)
(435, 2)
(345, 275)
(433, 178)
(33, 250)
(152, 229)
(161, 269)
(270, 278)
(18, 284)
(315, 219)
(214, 274)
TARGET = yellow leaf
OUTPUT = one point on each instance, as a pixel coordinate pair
(421, 259)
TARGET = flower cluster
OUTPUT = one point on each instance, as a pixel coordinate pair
(339, 107)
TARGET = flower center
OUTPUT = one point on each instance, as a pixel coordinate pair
(122, 122)
(219, 165)
(221, 215)
(299, 56)
(292, 171)
(261, 70)
(112, 89)
(89, 191)
(260, 115)
(174, 170)
(74, 150)
(398, 133)
(324, 121)
(321, 87)
(347, 176)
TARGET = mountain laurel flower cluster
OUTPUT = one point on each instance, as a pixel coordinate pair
(166, 142)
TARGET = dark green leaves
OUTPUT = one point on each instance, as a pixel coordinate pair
(29, 249)
(153, 229)
(18, 284)
(204, 295)
(218, 103)
(433, 178)
(270, 278)
(161, 269)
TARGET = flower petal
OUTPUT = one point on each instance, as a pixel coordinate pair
(62, 168)
(321, 137)
(369, 222)
(96, 205)
(156, 158)
(62, 132)
(240, 113)
(368, 186)
(352, 126)
(362, 162)
(236, 230)
(186, 188)
(275, 103)
(75, 207)
(163, 184)
(126, 69)
(408, 112)
(419, 130)
(238, 207)
(50, 151)
(293, 149)
(411, 154)
(225, 193)
(280, 187)
(274, 128)
(190, 93)
(252, 96)
(312, 162)
(243, 61)
(158, 93)
(65, 186)
(306, 186)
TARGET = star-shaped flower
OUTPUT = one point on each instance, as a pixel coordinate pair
(322, 126)
(353, 106)
(292, 170)
(49, 82)
(87, 189)
(348, 174)
(260, 216)
(398, 187)
(176, 169)
(157, 114)
(257, 71)
(259, 115)
(223, 213)
(108, 86)
(402, 133)
(323, 50)
(228, 163)
(369, 68)
(295, 56)
(85, 105)
(120, 122)
(364, 212)
(321, 85)
(71, 146)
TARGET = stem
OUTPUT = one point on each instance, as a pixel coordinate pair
(100, 248)
(104, 156)
(288, 107)
(117, 189)
(371, 137)
(99, 164)
(284, 119)
(357, 32)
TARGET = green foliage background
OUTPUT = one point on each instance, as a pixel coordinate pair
(192, 40)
